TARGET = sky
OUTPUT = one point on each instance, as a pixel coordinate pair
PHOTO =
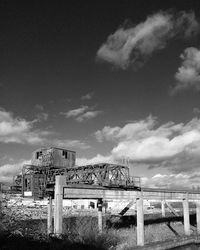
(116, 81)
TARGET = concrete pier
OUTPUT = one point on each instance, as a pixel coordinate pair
(140, 221)
(50, 217)
(186, 216)
(198, 216)
(58, 206)
(163, 208)
(76, 191)
(100, 217)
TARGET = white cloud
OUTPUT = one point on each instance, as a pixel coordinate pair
(81, 114)
(18, 130)
(172, 146)
(42, 116)
(70, 144)
(133, 45)
(137, 128)
(40, 107)
(172, 181)
(88, 115)
(155, 148)
(188, 75)
(97, 159)
(75, 112)
(88, 96)
(196, 110)
(8, 171)
(107, 133)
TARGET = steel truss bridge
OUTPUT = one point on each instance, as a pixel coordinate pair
(41, 179)
(102, 182)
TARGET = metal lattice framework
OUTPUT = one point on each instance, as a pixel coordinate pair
(104, 174)
(17, 180)
(41, 179)
(38, 178)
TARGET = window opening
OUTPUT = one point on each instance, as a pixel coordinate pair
(65, 154)
(38, 154)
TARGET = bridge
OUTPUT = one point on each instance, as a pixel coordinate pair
(64, 190)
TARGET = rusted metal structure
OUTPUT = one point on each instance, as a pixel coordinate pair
(38, 178)
(46, 163)
(103, 174)
(53, 157)
(16, 187)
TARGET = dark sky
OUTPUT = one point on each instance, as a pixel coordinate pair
(49, 66)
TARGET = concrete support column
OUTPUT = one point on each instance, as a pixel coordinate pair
(140, 221)
(58, 205)
(163, 208)
(49, 216)
(100, 216)
(54, 213)
(198, 216)
(186, 216)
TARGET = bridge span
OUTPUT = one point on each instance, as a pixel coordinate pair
(79, 191)
(96, 192)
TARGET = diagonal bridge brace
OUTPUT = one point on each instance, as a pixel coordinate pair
(127, 207)
(176, 214)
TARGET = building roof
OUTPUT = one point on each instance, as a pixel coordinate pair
(54, 148)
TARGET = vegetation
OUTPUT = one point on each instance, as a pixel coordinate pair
(81, 232)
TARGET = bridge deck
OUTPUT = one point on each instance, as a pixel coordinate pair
(96, 192)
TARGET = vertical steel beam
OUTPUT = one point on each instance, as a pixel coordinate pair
(198, 216)
(140, 221)
(163, 208)
(49, 216)
(23, 183)
(100, 216)
(186, 216)
(58, 205)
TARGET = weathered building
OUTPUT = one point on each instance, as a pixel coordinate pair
(53, 157)
(45, 164)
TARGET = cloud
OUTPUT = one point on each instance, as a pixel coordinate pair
(172, 146)
(172, 181)
(155, 148)
(88, 96)
(134, 45)
(88, 115)
(97, 159)
(18, 130)
(70, 144)
(42, 116)
(75, 112)
(81, 114)
(8, 171)
(188, 74)
(128, 131)
(40, 107)
(196, 110)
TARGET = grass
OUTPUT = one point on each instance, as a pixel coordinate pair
(17, 242)
(119, 239)
(81, 232)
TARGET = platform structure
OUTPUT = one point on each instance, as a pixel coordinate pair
(38, 181)
(64, 190)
